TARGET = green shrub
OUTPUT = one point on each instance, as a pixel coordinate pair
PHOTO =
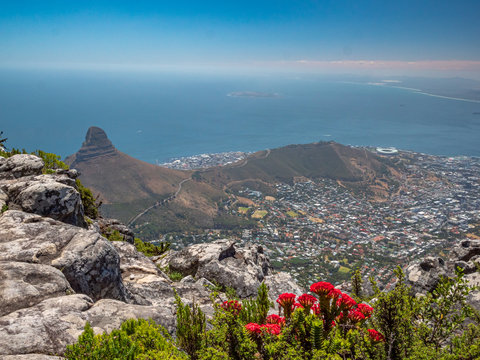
(330, 325)
(4, 208)
(149, 249)
(90, 203)
(136, 339)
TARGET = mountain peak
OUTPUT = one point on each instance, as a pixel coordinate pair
(96, 144)
(96, 137)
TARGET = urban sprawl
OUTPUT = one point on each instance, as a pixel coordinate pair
(321, 230)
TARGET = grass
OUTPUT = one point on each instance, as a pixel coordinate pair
(259, 214)
(344, 270)
(243, 210)
(292, 214)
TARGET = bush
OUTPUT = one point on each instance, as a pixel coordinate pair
(136, 339)
(327, 325)
(149, 249)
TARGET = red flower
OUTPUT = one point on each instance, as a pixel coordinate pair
(275, 319)
(365, 309)
(307, 301)
(375, 335)
(321, 288)
(334, 294)
(254, 328)
(316, 309)
(273, 329)
(356, 315)
(287, 301)
(346, 302)
(232, 306)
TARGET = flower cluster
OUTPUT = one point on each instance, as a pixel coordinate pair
(232, 306)
(257, 329)
(275, 319)
(331, 305)
(375, 335)
(287, 302)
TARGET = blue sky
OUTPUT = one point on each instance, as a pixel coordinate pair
(435, 33)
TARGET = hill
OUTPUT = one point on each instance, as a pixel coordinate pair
(356, 168)
(156, 200)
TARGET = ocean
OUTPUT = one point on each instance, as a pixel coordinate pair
(158, 116)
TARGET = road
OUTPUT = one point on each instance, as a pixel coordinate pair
(158, 203)
(180, 184)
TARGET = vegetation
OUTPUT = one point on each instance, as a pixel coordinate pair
(330, 325)
(136, 339)
(150, 249)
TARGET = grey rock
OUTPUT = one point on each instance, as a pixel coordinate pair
(23, 285)
(203, 282)
(49, 326)
(31, 357)
(424, 276)
(188, 280)
(282, 283)
(466, 250)
(44, 195)
(222, 262)
(108, 226)
(89, 262)
(19, 166)
(146, 284)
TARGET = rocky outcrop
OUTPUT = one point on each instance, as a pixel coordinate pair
(49, 326)
(96, 144)
(108, 226)
(23, 187)
(19, 166)
(88, 260)
(222, 262)
(55, 275)
(424, 275)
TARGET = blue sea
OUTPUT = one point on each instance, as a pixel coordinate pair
(158, 116)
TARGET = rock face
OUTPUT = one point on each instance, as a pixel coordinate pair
(96, 144)
(423, 276)
(55, 274)
(24, 188)
(242, 269)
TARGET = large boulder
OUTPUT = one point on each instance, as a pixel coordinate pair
(49, 326)
(23, 285)
(19, 166)
(424, 276)
(89, 262)
(44, 195)
(224, 263)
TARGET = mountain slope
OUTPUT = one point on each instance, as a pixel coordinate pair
(117, 177)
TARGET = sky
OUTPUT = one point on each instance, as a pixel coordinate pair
(333, 35)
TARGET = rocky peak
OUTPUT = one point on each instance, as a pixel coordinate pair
(96, 144)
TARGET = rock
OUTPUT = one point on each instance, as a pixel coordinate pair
(224, 263)
(228, 274)
(23, 285)
(282, 283)
(3, 200)
(45, 328)
(31, 357)
(189, 259)
(19, 166)
(89, 262)
(49, 326)
(45, 196)
(424, 276)
(108, 226)
(188, 280)
(146, 284)
(466, 250)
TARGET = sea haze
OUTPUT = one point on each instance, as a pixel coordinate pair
(157, 116)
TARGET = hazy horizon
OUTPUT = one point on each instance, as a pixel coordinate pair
(428, 38)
